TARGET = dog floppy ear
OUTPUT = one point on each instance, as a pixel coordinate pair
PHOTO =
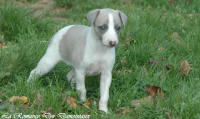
(92, 15)
(122, 17)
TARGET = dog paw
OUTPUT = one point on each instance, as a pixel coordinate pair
(69, 75)
(103, 106)
(83, 97)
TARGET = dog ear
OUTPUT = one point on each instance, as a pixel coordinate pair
(122, 17)
(92, 15)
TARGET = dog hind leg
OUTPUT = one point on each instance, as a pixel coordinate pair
(80, 84)
(71, 77)
(47, 62)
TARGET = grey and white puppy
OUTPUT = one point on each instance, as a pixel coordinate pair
(89, 50)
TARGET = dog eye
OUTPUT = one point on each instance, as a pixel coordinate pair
(117, 28)
(103, 27)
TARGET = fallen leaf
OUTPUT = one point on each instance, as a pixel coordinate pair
(145, 69)
(171, 2)
(14, 99)
(3, 45)
(127, 42)
(124, 110)
(138, 102)
(153, 62)
(175, 35)
(1, 92)
(23, 99)
(158, 42)
(189, 1)
(127, 72)
(168, 115)
(149, 6)
(185, 67)
(160, 48)
(39, 99)
(154, 91)
(124, 62)
(71, 102)
(49, 110)
(182, 24)
(88, 104)
(168, 67)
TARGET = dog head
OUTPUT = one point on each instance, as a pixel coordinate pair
(107, 24)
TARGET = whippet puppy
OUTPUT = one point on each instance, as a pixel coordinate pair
(89, 50)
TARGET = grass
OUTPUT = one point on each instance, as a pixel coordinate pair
(155, 30)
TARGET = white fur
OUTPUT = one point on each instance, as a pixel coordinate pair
(97, 59)
(111, 34)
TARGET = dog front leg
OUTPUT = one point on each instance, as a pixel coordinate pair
(80, 84)
(106, 78)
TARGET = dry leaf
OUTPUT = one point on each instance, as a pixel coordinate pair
(185, 67)
(154, 91)
(88, 104)
(124, 62)
(175, 35)
(49, 110)
(168, 115)
(14, 99)
(23, 99)
(3, 45)
(127, 42)
(1, 92)
(171, 2)
(158, 42)
(182, 24)
(39, 99)
(145, 69)
(168, 67)
(1, 100)
(127, 72)
(160, 48)
(124, 110)
(137, 103)
(153, 62)
(71, 102)
(149, 6)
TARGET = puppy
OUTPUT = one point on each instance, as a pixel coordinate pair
(89, 50)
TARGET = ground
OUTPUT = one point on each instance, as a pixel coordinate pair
(156, 74)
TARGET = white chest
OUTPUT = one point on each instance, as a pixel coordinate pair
(97, 57)
(97, 62)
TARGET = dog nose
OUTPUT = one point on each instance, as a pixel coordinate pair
(112, 43)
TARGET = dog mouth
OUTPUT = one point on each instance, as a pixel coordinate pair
(111, 46)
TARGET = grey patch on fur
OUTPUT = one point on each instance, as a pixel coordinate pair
(92, 15)
(123, 17)
(102, 19)
(73, 43)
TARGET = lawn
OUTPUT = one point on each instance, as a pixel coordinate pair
(159, 37)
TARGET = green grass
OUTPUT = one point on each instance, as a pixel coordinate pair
(148, 35)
